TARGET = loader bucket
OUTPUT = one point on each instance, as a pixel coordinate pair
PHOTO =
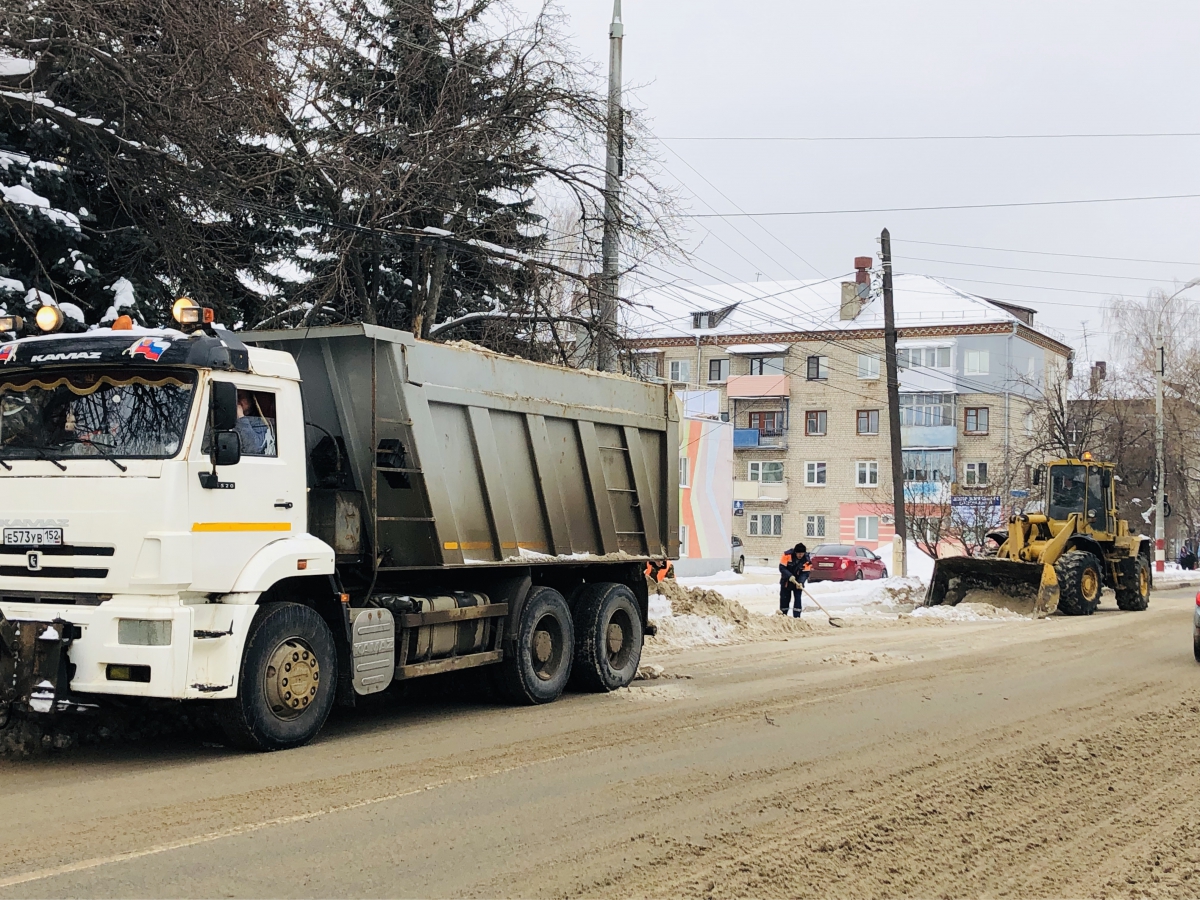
(1028, 588)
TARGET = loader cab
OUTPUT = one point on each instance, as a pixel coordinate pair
(1085, 488)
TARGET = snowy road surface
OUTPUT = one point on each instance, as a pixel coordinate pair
(895, 757)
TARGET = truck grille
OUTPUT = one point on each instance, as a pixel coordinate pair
(52, 571)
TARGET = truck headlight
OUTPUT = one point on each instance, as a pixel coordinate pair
(144, 632)
(49, 318)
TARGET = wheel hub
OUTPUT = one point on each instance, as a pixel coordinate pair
(616, 638)
(291, 678)
(1143, 581)
(1089, 585)
(543, 646)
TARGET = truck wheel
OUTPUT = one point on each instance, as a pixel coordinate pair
(1079, 582)
(1133, 593)
(287, 680)
(609, 648)
(538, 669)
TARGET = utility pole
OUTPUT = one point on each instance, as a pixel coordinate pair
(606, 356)
(1160, 481)
(900, 546)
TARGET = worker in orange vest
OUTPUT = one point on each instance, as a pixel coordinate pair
(794, 566)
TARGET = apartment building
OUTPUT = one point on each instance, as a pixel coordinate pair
(797, 367)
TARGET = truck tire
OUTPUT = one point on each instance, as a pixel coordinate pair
(287, 680)
(1080, 582)
(540, 664)
(608, 645)
(1133, 593)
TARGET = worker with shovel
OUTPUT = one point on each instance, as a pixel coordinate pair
(794, 566)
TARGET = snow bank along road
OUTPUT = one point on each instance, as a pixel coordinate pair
(911, 758)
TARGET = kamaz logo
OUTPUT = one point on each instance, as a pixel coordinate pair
(33, 560)
(34, 523)
(65, 357)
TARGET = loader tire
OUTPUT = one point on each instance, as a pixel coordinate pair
(538, 668)
(1080, 583)
(1133, 593)
(286, 683)
(608, 638)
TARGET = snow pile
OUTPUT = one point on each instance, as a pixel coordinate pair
(1175, 576)
(690, 617)
(967, 612)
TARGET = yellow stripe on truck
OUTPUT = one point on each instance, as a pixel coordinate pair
(241, 526)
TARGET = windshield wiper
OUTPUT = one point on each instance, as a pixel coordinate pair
(95, 443)
(42, 455)
(113, 460)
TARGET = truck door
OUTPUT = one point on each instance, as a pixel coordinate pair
(260, 499)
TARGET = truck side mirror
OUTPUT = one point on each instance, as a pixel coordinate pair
(227, 448)
(223, 406)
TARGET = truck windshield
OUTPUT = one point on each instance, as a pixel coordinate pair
(1068, 488)
(116, 413)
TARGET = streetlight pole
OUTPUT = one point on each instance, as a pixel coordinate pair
(1160, 525)
(605, 335)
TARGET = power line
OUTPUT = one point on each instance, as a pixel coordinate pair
(882, 209)
(953, 262)
(1163, 262)
(933, 137)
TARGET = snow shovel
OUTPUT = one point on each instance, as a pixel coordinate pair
(835, 621)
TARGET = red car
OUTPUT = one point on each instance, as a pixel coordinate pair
(842, 562)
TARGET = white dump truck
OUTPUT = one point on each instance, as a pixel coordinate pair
(277, 522)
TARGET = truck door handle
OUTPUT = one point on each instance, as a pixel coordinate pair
(283, 504)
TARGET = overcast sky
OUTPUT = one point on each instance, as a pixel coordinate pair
(773, 68)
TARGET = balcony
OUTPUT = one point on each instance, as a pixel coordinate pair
(751, 386)
(928, 436)
(757, 490)
(757, 439)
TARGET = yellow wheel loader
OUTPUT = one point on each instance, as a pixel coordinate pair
(1060, 559)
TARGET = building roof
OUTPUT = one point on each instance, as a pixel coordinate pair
(769, 312)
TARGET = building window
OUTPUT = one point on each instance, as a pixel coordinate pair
(765, 524)
(816, 421)
(926, 466)
(814, 474)
(814, 526)
(868, 421)
(718, 370)
(818, 368)
(927, 357)
(867, 474)
(926, 409)
(767, 424)
(766, 365)
(681, 370)
(868, 365)
(683, 540)
(976, 362)
(648, 365)
(766, 472)
(866, 528)
(683, 471)
(976, 420)
(976, 474)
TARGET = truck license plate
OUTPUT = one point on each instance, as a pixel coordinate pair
(33, 537)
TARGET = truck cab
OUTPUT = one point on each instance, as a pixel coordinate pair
(119, 534)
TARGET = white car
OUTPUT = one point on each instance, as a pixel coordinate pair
(737, 558)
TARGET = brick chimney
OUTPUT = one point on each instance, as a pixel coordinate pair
(856, 293)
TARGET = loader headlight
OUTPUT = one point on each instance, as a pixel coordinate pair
(144, 632)
(49, 319)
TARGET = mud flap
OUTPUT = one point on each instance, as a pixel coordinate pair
(33, 666)
(955, 576)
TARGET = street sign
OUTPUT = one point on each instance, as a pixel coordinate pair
(739, 508)
(974, 502)
(1020, 494)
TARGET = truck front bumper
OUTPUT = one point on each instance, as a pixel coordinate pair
(194, 652)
